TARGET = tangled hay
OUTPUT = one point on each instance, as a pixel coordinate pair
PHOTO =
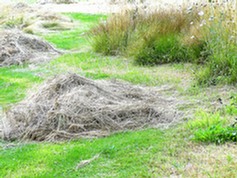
(33, 19)
(17, 48)
(70, 106)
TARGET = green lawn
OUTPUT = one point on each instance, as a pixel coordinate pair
(120, 155)
(75, 39)
(14, 81)
(144, 153)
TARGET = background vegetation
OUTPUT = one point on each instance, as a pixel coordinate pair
(203, 34)
(202, 145)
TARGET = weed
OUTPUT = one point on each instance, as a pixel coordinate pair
(14, 22)
(231, 109)
(212, 128)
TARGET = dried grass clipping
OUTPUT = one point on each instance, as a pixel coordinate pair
(17, 48)
(70, 106)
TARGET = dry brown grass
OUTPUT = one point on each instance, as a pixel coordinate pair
(31, 20)
(70, 106)
(17, 48)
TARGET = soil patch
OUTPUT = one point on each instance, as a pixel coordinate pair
(17, 48)
(70, 106)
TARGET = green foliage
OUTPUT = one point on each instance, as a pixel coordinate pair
(212, 128)
(204, 120)
(14, 22)
(132, 31)
(165, 49)
(231, 109)
(167, 36)
(221, 64)
(120, 155)
(76, 38)
(14, 82)
(112, 37)
(216, 134)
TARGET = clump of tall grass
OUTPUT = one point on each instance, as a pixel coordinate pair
(202, 33)
(159, 38)
(218, 29)
(111, 37)
(134, 30)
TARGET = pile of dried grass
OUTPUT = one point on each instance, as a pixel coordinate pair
(70, 106)
(17, 47)
(33, 19)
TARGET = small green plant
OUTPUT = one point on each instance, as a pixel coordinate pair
(204, 120)
(13, 22)
(212, 128)
(216, 134)
(231, 109)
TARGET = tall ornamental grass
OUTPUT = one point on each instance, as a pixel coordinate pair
(205, 34)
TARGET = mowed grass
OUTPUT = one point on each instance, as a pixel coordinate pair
(120, 155)
(14, 81)
(75, 39)
(144, 153)
(97, 66)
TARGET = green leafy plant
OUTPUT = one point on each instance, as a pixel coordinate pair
(212, 128)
